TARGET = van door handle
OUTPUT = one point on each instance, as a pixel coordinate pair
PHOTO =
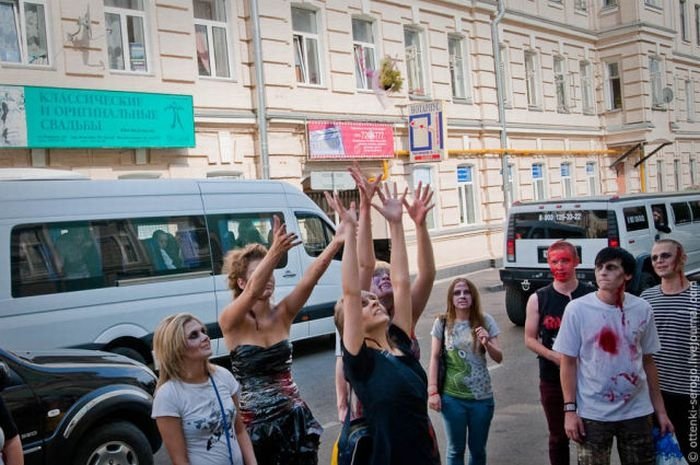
(289, 274)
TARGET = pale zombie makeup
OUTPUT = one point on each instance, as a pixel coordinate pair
(461, 296)
(197, 339)
(562, 264)
(381, 283)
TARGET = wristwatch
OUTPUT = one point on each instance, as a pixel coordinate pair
(569, 406)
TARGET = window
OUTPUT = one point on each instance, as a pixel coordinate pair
(64, 257)
(531, 80)
(561, 84)
(609, 3)
(505, 75)
(567, 187)
(513, 182)
(695, 209)
(459, 69)
(656, 80)
(125, 22)
(424, 174)
(538, 181)
(697, 24)
(414, 62)
(693, 173)
(636, 218)
(690, 100)
(681, 213)
(683, 11)
(613, 86)
(23, 32)
(587, 101)
(677, 173)
(654, 3)
(581, 5)
(659, 175)
(316, 234)
(211, 33)
(364, 52)
(467, 195)
(306, 46)
(592, 177)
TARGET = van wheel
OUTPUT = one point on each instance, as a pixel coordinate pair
(129, 352)
(119, 443)
(516, 300)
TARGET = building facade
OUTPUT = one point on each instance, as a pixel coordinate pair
(599, 96)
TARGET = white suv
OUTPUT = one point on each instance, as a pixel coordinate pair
(591, 224)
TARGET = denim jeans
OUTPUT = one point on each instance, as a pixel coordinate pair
(466, 421)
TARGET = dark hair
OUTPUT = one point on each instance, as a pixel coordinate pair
(609, 254)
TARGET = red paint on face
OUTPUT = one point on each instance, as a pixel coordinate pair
(607, 340)
(562, 264)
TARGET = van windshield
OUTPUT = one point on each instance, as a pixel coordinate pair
(561, 224)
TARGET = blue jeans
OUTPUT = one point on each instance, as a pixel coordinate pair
(462, 417)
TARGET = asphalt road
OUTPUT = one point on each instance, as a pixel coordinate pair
(518, 431)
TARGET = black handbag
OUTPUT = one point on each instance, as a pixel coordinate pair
(442, 361)
(355, 441)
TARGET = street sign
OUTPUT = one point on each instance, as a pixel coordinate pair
(332, 181)
(427, 131)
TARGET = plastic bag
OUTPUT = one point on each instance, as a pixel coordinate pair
(668, 451)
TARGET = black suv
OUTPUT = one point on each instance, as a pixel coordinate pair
(80, 407)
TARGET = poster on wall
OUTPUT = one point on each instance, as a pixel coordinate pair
(346, 140)
(426, 132)
(50, 117)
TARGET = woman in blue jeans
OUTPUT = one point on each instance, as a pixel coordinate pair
(466, 399)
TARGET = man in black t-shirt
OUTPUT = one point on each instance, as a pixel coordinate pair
(10, 444)
(545, 309)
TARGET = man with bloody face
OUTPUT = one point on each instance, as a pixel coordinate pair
(544, 313)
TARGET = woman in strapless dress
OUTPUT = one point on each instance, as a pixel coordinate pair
(256, 331)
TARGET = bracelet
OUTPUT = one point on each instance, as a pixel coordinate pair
(569, 407)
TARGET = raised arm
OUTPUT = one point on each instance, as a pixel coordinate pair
(392, 210)
(254, 287)
(365, 246)
(423, 284)
(294, 302)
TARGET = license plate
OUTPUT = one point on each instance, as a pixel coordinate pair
(542, 253)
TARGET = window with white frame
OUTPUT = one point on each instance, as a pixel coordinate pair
(581, 5)
(424, 174)
(677, 173)
(211, 33)
(466, 191)
(23, 32)
(656, 81)
(364, 52)
(459, 69)
(531, 78)
(415, 61)
(690, 100)
(592, 177)
(659, 175)
(586, 76)
(127, 47)
(613, 86)
(513, 182)
(505, 74)
(307, 54)
(538, 181)
(683, 19)
(567, 184)
(561, 84)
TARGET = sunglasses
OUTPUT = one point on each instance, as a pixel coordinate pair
(662, 256)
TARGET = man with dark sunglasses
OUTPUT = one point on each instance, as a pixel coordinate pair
(676, 306)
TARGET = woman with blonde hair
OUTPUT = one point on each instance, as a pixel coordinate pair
(196, 403)
(466, 334)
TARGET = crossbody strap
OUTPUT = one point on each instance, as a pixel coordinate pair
(223, 418)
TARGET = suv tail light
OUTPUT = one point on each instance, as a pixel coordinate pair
(510, 240)
(613, 231)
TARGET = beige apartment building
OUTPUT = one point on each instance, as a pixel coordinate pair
(598, 96)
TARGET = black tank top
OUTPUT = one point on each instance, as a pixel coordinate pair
(551, 306)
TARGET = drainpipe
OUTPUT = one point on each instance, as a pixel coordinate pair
(261, 112)
(495, 44)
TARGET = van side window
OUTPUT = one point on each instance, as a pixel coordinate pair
(681, 213)
(64, 257)
(316, 234)
(234, 231)
(635, 218)
(695, 209)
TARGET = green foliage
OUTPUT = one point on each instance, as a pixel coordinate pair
(389, 75)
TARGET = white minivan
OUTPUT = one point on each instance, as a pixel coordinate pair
(98, 264)
(631, 221)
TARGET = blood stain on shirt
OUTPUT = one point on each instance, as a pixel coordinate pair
(607, 340)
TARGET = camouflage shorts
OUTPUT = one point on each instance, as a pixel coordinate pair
(634, 442)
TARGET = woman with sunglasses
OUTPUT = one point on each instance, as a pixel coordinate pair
(196, 402)
(466, 401)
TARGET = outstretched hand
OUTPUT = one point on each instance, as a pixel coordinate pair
(367, 189)
(282, 241)
(392, 204)
(348, 216)
(418, 210)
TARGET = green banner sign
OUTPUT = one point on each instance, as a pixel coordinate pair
(49, 117)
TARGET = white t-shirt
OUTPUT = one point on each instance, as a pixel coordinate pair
(198, 408)
(609, 344)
